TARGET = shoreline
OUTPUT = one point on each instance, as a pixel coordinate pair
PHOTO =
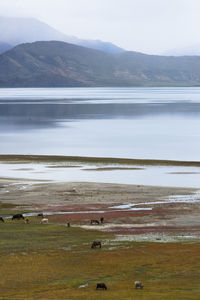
(128, 208)
(15, 158)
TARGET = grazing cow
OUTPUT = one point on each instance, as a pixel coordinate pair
(138, 284)
(95, 244)
(40, 215)
(1, 219)
(101, 286)
(44, 221)
(102, 220)
(94, 222)
(26, 221)
(18, 217)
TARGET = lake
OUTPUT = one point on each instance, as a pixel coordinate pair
(157, 123)
(153, 123)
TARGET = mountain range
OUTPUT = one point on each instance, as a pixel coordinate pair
(33, 54)
(60, 64)
(15, 31)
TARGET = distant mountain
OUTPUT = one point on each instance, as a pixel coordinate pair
(59, 64)
(15, 31)
(193, 50)
(98, 45)
(4, 47)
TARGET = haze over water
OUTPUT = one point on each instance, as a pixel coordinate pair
(157, 123)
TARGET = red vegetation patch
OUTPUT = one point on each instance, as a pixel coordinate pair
(81, 214)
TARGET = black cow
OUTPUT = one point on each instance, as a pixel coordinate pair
(18, 217)
(102, 220)
(1, 219)
(101, 286)
(40, 215)
(95, 244)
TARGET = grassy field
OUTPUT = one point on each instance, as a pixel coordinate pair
(51, 261)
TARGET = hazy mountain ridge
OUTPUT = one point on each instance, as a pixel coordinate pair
(4, 47)
(15, 31)
(60, 64)
(193, 50)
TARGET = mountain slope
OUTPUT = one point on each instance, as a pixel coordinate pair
(15, 31)
(59, 64)
(54, 64)
(160, 70)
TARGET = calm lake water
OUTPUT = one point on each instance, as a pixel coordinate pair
(155, 123)
(159, 123)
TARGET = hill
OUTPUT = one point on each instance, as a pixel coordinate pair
(58, 64)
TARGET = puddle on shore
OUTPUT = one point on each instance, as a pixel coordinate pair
(121, 174)
(195, 198)
(159, 238)
(51, 213)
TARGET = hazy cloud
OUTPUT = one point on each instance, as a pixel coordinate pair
(151, 26)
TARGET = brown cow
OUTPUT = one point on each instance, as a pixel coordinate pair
(94, 222)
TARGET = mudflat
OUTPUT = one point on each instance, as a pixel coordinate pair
(35, 192)
(127, 209)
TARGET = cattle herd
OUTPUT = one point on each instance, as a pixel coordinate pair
(26, 220)
(102, 286)
(95, 244)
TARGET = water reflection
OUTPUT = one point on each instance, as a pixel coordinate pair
(30, 113)
(160, 123)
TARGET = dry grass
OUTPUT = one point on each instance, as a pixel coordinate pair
(52, 261)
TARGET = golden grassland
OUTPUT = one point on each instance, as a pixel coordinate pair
(94, 160)
(51, 261)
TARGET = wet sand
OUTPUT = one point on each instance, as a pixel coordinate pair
(33, 192)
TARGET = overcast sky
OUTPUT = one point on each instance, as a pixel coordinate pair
(151, 26)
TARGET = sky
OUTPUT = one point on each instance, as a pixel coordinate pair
(149, 26)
